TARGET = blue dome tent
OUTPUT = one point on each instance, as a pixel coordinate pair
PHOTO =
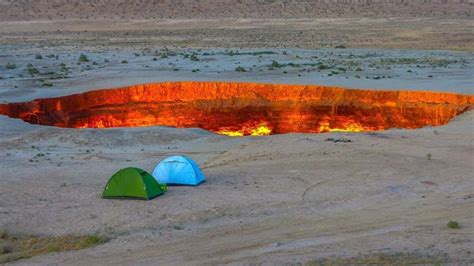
(178, 170)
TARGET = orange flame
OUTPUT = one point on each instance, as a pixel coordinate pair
(248, 129)
(344, 124)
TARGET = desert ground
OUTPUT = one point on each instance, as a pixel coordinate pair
(383, 197)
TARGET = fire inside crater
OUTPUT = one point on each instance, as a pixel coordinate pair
(241, 109)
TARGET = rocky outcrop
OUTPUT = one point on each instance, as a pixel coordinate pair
(244, 108)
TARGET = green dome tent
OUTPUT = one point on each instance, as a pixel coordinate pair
(133, 183)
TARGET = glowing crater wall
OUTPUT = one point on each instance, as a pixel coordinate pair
(238, 109)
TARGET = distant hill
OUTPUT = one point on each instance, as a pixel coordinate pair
(11, 10)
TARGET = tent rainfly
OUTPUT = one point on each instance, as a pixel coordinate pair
(133, 183)
(178, 170)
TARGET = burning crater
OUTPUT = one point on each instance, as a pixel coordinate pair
(239, 109)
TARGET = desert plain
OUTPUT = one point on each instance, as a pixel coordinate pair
(381, 197)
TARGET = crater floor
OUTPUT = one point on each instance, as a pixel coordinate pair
(239, 109)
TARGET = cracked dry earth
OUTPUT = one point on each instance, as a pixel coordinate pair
(281, 198)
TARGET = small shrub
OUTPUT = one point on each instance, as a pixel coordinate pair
(10, 66)
(5, 248)
(335, 140)
(39, 57)
(322, 67)
(3, 233)
(32, 70)
(63, 67)
(178, 227)
(47, 84)
(53, 249)
(124, 62)
(194, 58)
(454, 225)
(240, 69)
(92, 240)
(275, 64)
(83, 58)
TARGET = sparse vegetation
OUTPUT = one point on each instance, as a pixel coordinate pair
(63, 67)
(177, 227)
(383, 259)
(45, 83)
(194, 58)
(322, 67)
(32, 70)
(454, 225)
(257, 53)
(16, 247)
(10, 66)
(275, 64)
(83, 58)
(240, 69)
(335, 140)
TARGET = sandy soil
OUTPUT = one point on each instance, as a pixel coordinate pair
(60, 73)
(284, 198)
(204, 9)
(447, 33)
